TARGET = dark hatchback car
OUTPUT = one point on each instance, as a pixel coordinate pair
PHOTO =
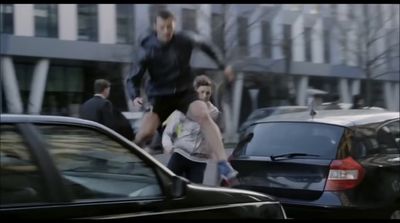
(339, 164)
(261, 113)
(68, 168)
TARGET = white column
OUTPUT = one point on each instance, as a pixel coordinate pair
(388, 95)
(10, 85)
(68, 21)
(352, 45)
(342, 10)
(203, 19)
(317, 42)
(38, 86)
(107, 23)
(298, 39)
(396, 95)
(302, 85)
(237, 100)
(344, 90)
(24, 20)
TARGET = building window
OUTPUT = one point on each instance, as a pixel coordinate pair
(388, 47)
(46, 20)
(87, 20)
(295, 7)
(287, 41)
(350, 11)
(7, 18)
(379, 9)
(308, 45)
(360, 58)
(334, 10)
(64, 89)
(153, 11)
(327, 46)
(189, 20)
(125, 25)
(266, 39)
(344, 49)
(217, 29)
(242, 36)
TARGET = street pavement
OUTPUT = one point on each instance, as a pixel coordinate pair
(210, 176)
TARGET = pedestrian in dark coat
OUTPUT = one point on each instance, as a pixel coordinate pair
(99, 108)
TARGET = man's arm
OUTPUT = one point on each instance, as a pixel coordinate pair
(136, 74)
(212, 52)
(207, 47)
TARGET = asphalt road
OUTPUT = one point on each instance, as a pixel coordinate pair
(210, 176)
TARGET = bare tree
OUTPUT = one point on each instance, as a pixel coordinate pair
(234, 47)
(227, 37)
(370, 32)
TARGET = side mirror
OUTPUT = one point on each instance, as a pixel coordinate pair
(247, 138)
(178, 186)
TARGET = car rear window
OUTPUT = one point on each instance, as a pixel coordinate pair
(277, 138)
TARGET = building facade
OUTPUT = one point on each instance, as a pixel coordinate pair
(52, 53)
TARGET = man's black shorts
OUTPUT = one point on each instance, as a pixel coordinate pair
(163, 106)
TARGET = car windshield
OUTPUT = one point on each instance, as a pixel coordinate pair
(274, 139)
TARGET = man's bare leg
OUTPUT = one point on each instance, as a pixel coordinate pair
(198, 112)
(148, 127)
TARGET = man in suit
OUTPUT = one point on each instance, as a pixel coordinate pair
(98, 108)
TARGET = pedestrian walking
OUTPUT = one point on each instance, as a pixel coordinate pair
(99, 108)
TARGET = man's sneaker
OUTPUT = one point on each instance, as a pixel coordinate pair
(226, 171)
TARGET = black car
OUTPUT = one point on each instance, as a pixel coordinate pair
(261, 113)
(337, 164)
(68, 168)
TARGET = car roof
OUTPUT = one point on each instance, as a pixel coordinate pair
(352, 117)
(280, 107)
(28, 118)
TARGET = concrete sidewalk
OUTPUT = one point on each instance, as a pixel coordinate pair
(210, 176)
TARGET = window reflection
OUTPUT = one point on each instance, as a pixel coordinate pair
(95, 166)
(46, 20)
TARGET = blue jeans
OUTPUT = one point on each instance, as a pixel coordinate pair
(193, 171)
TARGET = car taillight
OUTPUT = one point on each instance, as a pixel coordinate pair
(344, 174)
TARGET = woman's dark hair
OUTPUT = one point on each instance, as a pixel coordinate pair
(202, 80)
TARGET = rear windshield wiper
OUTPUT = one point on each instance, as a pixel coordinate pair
(291, 155)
